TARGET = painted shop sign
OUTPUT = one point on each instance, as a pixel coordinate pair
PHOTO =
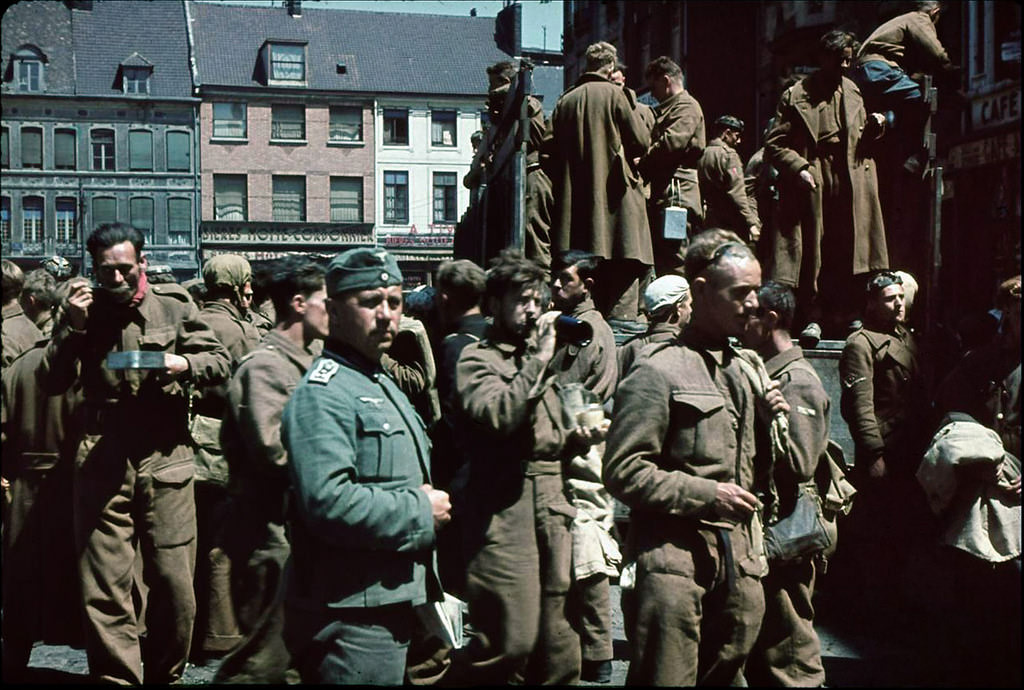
(999, 108)
(226, 232)
(986, 151)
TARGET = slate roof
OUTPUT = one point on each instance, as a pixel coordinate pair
(383, 52)
(548, 85)
(113, 30)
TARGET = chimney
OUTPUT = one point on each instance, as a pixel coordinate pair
(294, 7)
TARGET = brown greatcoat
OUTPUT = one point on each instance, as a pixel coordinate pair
(595, 134)
(19, 332)
(791, 146)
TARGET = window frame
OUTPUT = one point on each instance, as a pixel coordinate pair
(32, 129)
(60, 224)
(175, 133)
(331, 139)
(5, 147)
(277, 122)
(172, 232)
(272, 77)
(29, 67)
(104, 156)
(389, 113)
(65, 131)
(450, 198)
(132, 150)
(39, 227)
(92, 210)
(244, 121)
(455, 128)
(359, 215)
(393, 218)
(276, 196)
(226, 177)
(148, 233)
(130, 75)
(6, 223)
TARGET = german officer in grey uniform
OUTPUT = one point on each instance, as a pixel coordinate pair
(366, 513)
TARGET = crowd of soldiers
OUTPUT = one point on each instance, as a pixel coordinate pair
(304, 472)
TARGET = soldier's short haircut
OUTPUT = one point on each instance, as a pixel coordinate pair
(778, 298)
(509, 271)
(13, 280)
(836, 41)
(586, 263)
(663, 66)
(504, 69)
(463, 281)
(110, 234)
(702, 248)
(290, 276)
(927, 5)
(40, 284)
(601, 54)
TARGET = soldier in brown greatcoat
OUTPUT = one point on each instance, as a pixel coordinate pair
(254, 535)
(788, 651)
(40, 581)
(680, 453)
(19, 333)
(670, 164)
(228, 280)
(596, 134)
(829, 225)
(133, 470)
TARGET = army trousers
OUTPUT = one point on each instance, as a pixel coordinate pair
(695, 621)
(788, 652)
(122, 506)
(517, 585)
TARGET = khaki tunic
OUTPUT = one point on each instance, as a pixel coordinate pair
(516, 518)
(599, 204)
(677, 142)
(136, 460)
(254, 534)
(19, 333)
(630, 351)
(685, 420)
(909, 42)
(797, 245)
(720, 172)
(788, 651)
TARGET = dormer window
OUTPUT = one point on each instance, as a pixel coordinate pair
(28, 68)
(135, 73)
(286, 63)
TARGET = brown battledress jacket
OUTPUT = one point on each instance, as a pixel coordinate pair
(595, 366)
(677, 142)
(909, 42)
(722, 185)
(792, 146)
(595, 134)
(19, 333)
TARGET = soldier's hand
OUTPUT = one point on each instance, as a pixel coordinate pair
(440, 505)
(79, 300)
(546, 334)
(755, 233)
(733, 502)
(774, 401)
(877, 469)
(176, 364)
(807, 179)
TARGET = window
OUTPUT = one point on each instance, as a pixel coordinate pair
(230, 197)
(136, 79)
(287, 63)
(289, 198)
(5, 149)
(28, 69)
(229, 121)
(396, 197)
(103, 149)
(32, 219)
(396, 127)
(67, 217)
(346, 123)
(288, 122)
(442, 128)
(346, 200)
(179, 151)
(65, 154)
(140, 149)
(445, 197)
(5, 219)
(104, 210)
(179, 221)
(140, 211)
(31, 147)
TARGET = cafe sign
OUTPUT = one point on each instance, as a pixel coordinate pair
(995, 109)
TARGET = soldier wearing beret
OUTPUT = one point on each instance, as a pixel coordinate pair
(365, 514)
(720, 172)
(134, 469)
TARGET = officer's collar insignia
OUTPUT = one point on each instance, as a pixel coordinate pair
(324, 371)
(372, 402)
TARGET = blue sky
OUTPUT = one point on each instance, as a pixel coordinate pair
(536, 15)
